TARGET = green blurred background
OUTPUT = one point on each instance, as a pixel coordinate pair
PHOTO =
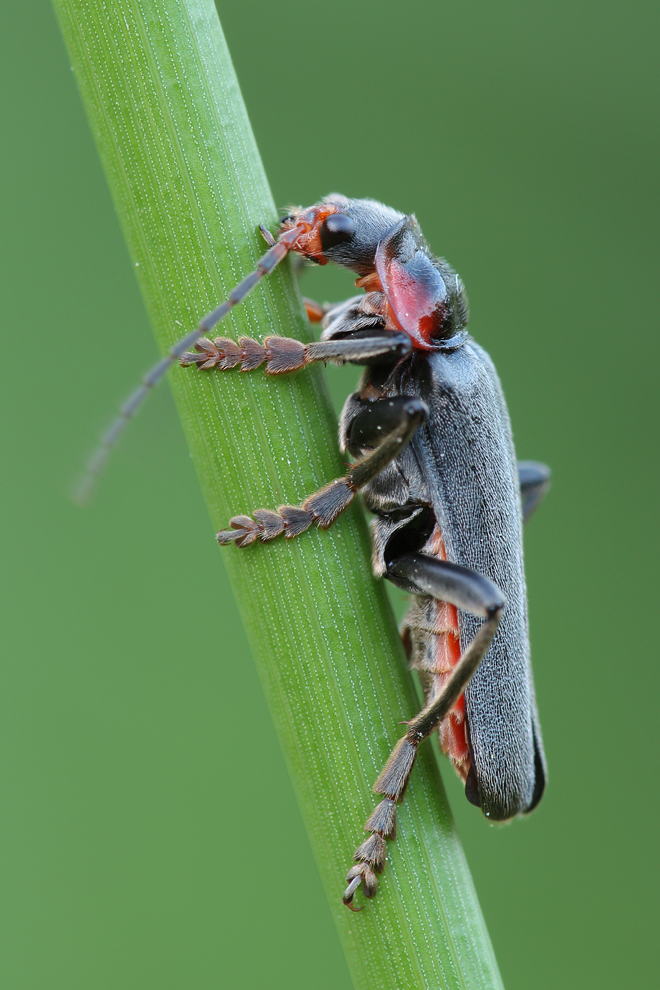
(133, 848)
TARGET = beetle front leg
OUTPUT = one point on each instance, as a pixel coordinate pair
(423, 575)
(284, 354)
(325, 505)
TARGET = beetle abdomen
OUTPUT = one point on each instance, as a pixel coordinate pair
(431, 639)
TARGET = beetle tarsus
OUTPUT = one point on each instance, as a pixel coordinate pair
(285, 354)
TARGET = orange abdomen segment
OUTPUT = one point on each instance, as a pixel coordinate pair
(452, 729)
(432, 640)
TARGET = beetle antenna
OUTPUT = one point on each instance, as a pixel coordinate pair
(276, 253)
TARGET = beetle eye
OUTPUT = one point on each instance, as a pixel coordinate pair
(336, 229)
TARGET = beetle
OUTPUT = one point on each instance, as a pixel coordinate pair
(434, 461)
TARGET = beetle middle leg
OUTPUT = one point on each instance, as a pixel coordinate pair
(420, 574)
(534, 480)
(325, 505)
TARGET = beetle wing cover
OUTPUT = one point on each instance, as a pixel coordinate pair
(467, 457)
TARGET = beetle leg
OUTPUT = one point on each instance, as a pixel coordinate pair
(315, 311)
(284, 354)
(447, 582)
(325, 505)
(534, 481)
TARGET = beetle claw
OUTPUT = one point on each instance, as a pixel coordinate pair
(349, 893)
(357, 875)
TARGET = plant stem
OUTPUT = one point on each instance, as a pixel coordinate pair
(167, 115)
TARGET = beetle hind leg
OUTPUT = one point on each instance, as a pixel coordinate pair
(423, 575)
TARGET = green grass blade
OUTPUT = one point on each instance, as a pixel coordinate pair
(166, 111)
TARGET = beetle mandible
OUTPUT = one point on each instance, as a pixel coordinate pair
(434, 461)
